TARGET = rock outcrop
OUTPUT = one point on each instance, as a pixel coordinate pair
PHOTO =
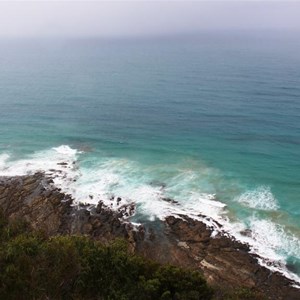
(225, 263)
(44, 207)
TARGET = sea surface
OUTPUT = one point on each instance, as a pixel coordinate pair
(211, 121)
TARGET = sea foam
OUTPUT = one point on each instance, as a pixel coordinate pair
(179, 195)
(260, 198)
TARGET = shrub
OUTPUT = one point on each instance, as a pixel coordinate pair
(34, 266)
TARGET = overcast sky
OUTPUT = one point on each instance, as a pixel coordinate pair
(142, 18)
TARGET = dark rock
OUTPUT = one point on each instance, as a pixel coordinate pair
(158, 184)
(225, 262)
(170, 200)
(246, 232)
(99, 206)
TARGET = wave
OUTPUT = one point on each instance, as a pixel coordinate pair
(276, 243)
(3, 160)
(275, 236)
(260, 198)
(177, 192)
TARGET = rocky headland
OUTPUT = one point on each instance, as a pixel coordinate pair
(225, 263)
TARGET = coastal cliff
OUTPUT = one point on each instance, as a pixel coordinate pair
(226, 264)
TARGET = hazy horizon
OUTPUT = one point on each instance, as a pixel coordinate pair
(143, 19)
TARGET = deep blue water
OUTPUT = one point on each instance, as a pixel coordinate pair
(207, 114)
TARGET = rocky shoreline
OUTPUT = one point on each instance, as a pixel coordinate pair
(225, 263)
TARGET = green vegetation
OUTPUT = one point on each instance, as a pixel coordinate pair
(243, 294)
(35, 266)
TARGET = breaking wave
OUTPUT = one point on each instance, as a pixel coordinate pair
(90, 180)
(260, 198)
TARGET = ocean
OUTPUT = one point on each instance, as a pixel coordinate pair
(210, 120)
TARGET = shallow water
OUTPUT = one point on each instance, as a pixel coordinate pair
(210, 121)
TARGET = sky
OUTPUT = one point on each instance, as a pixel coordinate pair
(142, 18)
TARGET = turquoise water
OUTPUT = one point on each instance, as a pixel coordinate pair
(213, 116)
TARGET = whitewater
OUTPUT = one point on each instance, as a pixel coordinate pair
(154, 199)
(206, 126)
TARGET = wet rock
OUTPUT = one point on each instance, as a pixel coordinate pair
(119, 200)
(246, 232)
(45, 207)
(99, 206)
(225, 262)
(158, 184)
(170, 200)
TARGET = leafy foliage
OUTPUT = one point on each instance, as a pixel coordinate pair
(34, 266)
